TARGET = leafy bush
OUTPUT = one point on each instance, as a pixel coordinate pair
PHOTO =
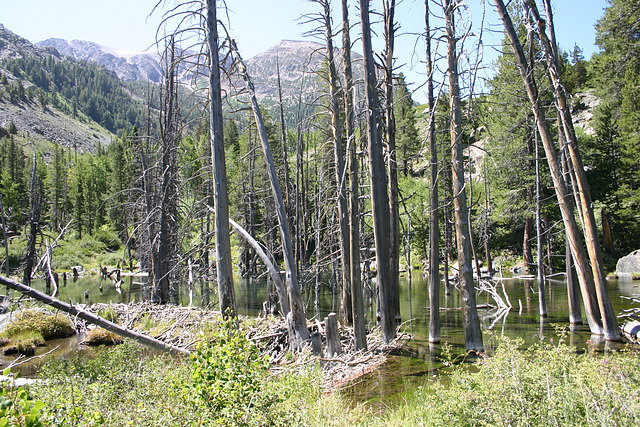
(17, 406)
(230, 384)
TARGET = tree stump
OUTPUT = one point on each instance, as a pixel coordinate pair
(333, 339)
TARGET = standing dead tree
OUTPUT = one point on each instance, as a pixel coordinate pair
(296, 319)
(324, 20)
(359, 330)
(471, 321)
(434, 229)
(379, 182)
(585, 274)
(218, 163)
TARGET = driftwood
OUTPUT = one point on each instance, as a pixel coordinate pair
(92, 318)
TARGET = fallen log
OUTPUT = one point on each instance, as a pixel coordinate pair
(91, 318)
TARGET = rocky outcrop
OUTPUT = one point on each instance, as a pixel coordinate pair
(629, 264)
(128, 65)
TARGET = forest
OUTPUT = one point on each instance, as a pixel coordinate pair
(366, 185)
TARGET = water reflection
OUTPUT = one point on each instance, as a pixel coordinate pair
(423, 359)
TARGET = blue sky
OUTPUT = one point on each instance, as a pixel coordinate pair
(260, 24)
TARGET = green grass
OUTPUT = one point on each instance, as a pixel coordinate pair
(544, 385)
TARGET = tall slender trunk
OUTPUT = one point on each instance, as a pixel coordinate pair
(392, 167)
(379, 183)
(220, 192)
(34, 222)
(472, 332)
(585, 274)
(609, 319)
(542, 302)
(359, 331)
(4, 239)
(434, 231)
(340, 170)
(296, 319)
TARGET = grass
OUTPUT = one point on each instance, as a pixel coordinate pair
(547, 384)
(50, 326)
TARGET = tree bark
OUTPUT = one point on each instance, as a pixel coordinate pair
(542, 302)
(379, 181)
(582, 264)
(472, 332)
(359, 330)
(392, 166)
(218, 162)
(434, 230)
(609, 319)
(5, 239)
(296, 318)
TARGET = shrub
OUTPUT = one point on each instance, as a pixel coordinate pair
(230, 384)
(17, 406)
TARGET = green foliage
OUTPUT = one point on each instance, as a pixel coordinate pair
(229, 384)
(17, 405)
(547, 384)
(49, 326)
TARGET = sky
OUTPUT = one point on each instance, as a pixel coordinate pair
(260, 24)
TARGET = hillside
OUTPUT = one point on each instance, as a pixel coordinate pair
(48, 96)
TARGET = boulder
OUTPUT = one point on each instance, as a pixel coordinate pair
(629, 264)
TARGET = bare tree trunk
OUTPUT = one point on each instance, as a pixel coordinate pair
(5, 239)
(434, 230)
(527, 254)
(582, 264)
(218, 162)
(472, 332)
(542, 302)
(34, 222)
(340, 170)
(378, 180)
(296, 318)
(609, 319)
(359, 330)
(392, 167)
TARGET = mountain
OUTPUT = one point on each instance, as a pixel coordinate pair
(48, 96)
(128, 65)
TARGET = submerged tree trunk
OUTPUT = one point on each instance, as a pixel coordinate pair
(296, 319)
(218, 162)
(582, 264)
(378, 180)
(434, 231)
(392, 166)
(359, 330)
(472, 332)
(609, 319)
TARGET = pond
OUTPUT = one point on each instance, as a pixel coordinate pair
(422, 360)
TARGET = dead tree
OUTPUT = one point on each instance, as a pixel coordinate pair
(471, 321)
(434, 230)
(609, 319)
(357, 305)
(585, 274)
(34, 221)
(379, 183)
(218, 162)
(392, 167)
(296, 319)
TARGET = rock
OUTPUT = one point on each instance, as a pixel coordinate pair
(627, 265)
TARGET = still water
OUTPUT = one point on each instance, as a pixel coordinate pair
(421, 360)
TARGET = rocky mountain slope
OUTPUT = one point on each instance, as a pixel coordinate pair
(128, 65)
(28, 114)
